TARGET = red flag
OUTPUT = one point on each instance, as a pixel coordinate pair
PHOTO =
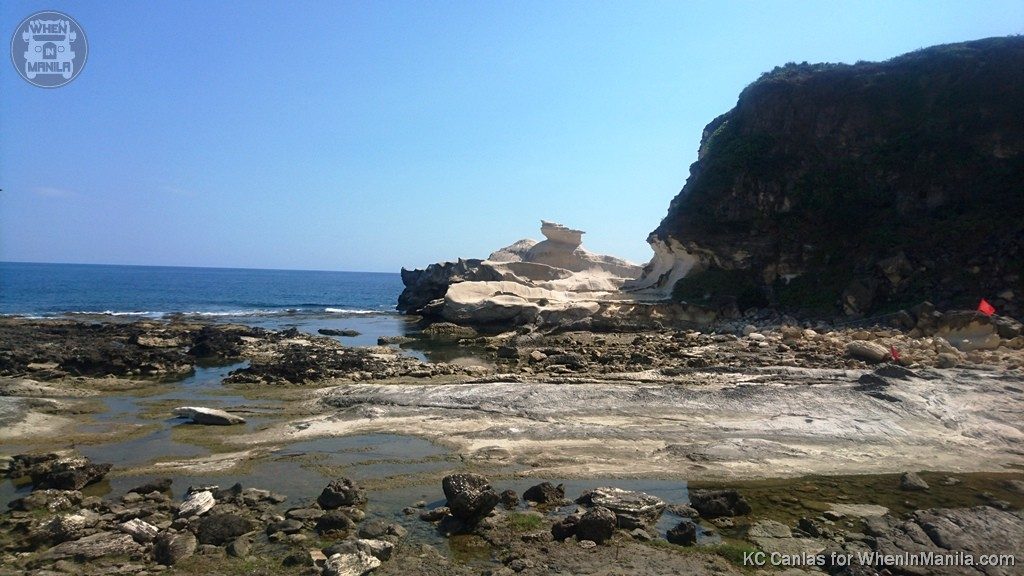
(894, 353)
(985, 308)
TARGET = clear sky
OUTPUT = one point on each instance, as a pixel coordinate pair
(374, 135)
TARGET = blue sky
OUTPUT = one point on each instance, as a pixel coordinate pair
(374, 135)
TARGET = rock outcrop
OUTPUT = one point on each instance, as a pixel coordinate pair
(834, 188)
(555, 282)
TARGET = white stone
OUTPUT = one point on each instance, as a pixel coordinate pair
(209, 416)
(140, 530)
(196, 504)
(356, 564)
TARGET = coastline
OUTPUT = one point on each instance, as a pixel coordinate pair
(768, 408)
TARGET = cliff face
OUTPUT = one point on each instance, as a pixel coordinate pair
(858, 188)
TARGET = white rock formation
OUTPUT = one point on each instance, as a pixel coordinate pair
(555, 281)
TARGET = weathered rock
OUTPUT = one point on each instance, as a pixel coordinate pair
(220, 529)
(341, 492)
(207, 416)
(867, 351)
(684, 534)
(632, 509)
(766, 215)
(968, 330)
(912, 482)
(509, 499)
(596, 525)
(66, 473)
(565, 527)
(717, 503)
(96, 546)
(171, 548)
(545, 493)
(355, 564)
(240, 547)
(470, 496)
(975, 531)
(196, 504)
(52, 500)
(334, 521)
(373, 529)
(434, 514)
(140, 530)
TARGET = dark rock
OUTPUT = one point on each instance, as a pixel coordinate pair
(509, 499)
(424, 286)
(470, 496)
(545, 493)
(66, 473)
(434, 514)
(297, 558)
(172, 548)
(815, 154)
(288, 526)
(341, 492)
(716, 503)
(333, 332)
(160, 485)
(334, 521)
(684, 534)
(373, 529)
(219, 529)
(565, 527)
(597, 525)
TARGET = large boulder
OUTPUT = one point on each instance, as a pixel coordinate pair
(596, 525)
(553, 282)
(717, 503)
(632, 509)
(470, 496)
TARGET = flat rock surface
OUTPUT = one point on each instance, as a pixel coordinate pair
(722, 423)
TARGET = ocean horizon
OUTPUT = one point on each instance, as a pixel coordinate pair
(45, 289)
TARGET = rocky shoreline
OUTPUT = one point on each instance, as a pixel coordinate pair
(717, 408)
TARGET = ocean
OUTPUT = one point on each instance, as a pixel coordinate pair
(306, 299)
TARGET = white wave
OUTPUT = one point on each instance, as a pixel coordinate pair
(353, 311)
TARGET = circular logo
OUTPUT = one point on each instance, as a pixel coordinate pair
(49, 49)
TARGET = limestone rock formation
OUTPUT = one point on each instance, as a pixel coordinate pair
(834, 188)
(552, 282)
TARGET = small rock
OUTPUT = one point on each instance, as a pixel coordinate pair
(355, 564)
(684, 534)
(196, 504)
(207, 416)
(912, 482)
(867, 351)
